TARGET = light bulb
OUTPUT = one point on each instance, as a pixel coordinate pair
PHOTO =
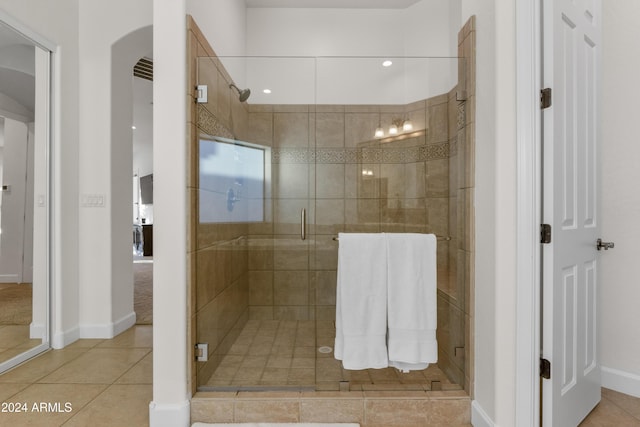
(379, 132)
(407, 126)
(393, 130)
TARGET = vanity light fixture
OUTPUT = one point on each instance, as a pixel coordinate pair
(397, 127)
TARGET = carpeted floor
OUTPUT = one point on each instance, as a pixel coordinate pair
(143, 292)
(15, 303)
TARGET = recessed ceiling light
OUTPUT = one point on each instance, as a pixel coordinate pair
(133, 127)
(267, 91)
(387, 63)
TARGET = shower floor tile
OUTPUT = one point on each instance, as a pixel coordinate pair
(284, 353)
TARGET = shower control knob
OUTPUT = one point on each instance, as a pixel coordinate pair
(604, 245)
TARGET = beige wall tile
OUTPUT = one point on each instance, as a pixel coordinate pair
(291, 130)
(290, 180)
(330, 181)
(438, 123)
(329, 129)
(291, 287)
(360, 127)
(282, 411)
(260, 288)
(260, 128)
(330, 216)
(332, 410)
(212, 411)
(395, 413)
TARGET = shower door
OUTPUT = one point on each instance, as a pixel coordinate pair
(254, 231)
(265, 284)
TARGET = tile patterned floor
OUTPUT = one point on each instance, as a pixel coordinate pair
(90, 382)
(279, 353)
(108, 383)
(14, 339)
(614, 410)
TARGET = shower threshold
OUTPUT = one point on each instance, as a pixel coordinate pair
(256, 388)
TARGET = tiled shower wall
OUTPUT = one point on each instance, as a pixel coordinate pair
(324, 158)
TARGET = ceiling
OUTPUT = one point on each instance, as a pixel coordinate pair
(333, 4)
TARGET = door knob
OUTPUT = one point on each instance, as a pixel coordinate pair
(604, 245)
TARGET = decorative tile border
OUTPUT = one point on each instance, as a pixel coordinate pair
(461, 115)
(209, 124)
(420, 153)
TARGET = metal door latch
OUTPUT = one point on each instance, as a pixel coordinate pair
(604, 245)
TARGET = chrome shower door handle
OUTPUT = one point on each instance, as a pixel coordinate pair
(303, 224)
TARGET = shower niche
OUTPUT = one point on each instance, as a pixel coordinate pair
(275, 177)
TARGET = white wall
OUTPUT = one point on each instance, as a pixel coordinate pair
(105, 156)
(93, 292)
(170, 405)
(421, 30)
(495, 209)
(619, 290)
(224, 24)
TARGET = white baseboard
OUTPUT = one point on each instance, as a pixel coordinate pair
(623, 382)
(170, 415)
(479, 418)
(124, 323)
(37, 331)
(62, 339)
(108, 330)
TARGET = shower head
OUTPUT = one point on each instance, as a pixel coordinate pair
(243, 94)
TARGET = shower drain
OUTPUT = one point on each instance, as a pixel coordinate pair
(325, 349)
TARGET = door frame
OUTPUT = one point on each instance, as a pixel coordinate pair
(48, 128)
(528, 24)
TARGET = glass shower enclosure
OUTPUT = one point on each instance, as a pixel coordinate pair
(323, 145)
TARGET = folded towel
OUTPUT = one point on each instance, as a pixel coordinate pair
(361, 301)
(411, 299)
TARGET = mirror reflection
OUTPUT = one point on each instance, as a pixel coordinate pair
(21, 329)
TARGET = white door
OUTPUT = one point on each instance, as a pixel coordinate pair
(571, 132)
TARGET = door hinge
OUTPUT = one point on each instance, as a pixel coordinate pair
(201, 94)
(545, 98)
(545, 369)
(545, 233)
(201, 352)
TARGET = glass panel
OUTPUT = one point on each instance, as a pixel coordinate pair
(253, 287)
(403, 180)
(266, 296)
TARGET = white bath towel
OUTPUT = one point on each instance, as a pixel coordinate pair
(411, 299)
(361, 301)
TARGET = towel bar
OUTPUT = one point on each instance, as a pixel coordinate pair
(439, 238)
